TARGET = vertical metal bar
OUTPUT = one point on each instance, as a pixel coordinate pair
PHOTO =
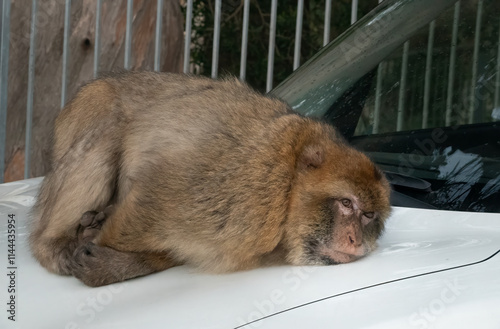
(378, 88)
(378, 97)
(97, 42)
(187, 41)
(428, 69)
(328, 15)
(477, 37)
(354, 11)
(451, 69)
(244, 40)
(497, 78)
(413, 97)
(159, 16)
(29, 102)
(215, 49)
(443, 90)
(272, 37)
(432, 119)
(4, 73)
(128, 34)
(402, 87)
(298, 34)
(67, 13)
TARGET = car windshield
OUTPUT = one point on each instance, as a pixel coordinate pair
(420, 94)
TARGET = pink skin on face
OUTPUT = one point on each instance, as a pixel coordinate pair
(347, 244)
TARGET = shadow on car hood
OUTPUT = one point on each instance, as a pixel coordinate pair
(416, 242)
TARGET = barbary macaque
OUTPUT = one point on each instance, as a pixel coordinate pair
(154, 170)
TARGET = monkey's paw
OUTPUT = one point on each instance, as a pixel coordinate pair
(93, 265)
(91, 223)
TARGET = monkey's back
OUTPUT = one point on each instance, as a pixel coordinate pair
(192, 115)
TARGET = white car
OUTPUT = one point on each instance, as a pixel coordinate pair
(433, 268)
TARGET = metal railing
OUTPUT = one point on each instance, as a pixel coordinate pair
(5, 34)
(4, 52)
(451, 74)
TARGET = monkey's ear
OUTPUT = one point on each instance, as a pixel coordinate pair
(312, 157)
(377, 173)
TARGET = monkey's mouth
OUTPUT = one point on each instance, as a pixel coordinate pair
(327, 254)
(339, 257)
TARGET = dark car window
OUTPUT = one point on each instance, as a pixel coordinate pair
(429, 112)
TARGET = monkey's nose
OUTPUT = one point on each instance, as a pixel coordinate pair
(354, 240)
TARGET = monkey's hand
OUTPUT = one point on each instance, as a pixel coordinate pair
(92, 264)
(98, 266)
(91, 223)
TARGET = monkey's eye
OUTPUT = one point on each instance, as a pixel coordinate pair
(346, 203)
(369, 214)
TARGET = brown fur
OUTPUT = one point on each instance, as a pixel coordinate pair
(203, 172)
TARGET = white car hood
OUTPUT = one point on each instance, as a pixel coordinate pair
(424, 256)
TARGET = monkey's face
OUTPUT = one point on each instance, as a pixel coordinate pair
(337, 209)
